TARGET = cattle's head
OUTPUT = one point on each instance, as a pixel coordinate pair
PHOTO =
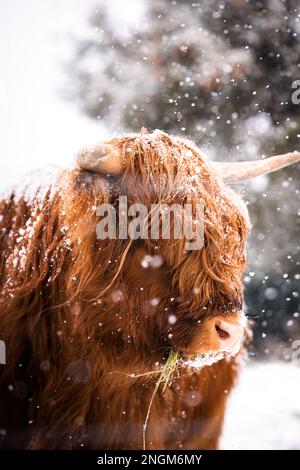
(154, 294)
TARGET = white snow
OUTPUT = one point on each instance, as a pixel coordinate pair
(36, 184)
(152, 261)
(202, 360)
(264, 409)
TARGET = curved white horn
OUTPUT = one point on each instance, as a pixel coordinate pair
(233, 172)
(102, 158)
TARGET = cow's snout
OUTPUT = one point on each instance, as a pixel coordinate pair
(229, 334)
(218, 334)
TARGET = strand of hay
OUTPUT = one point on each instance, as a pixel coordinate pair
(165, 378)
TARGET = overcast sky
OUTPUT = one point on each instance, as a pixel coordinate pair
(36, 125)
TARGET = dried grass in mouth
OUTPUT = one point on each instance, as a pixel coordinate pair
(165, 379)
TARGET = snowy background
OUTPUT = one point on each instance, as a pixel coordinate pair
(37, 126)
(47, 92)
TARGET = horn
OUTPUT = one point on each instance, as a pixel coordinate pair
(102, 158)
(232, 172)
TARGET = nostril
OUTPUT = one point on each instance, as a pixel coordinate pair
(220, 329)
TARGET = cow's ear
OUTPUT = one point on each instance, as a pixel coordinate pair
(233, 172)
(103, 158)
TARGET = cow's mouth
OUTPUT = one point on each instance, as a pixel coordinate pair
(199, 360)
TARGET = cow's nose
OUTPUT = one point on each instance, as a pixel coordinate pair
(219, 334)
(229, 334)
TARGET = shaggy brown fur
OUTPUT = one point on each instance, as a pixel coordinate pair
(71, 317)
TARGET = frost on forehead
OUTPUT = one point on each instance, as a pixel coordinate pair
(35, 186)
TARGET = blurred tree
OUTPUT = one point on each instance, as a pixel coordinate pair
(220, 72)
